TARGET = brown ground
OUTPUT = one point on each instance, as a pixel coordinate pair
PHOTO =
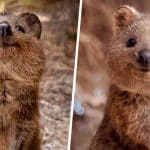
(59, 21)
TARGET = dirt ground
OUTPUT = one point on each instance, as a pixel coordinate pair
(59, 20)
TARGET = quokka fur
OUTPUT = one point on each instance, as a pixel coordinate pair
(21, 65)
(126, 123)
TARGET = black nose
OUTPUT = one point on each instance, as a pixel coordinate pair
(5, 29)
(144, 58)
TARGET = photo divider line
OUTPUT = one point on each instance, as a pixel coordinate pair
(75, 74)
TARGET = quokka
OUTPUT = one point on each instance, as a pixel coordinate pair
(21, 65)
(126, 123)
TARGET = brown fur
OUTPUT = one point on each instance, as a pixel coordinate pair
(21, 65)
(126, 124)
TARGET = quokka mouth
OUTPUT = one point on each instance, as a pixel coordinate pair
(145, 70)
(8, 41)
(8, 45)
(140, 68)
(140, 73)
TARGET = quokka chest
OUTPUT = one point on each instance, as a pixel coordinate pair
(8, 91)
(13, 97)
(8, 104)
(130, 112)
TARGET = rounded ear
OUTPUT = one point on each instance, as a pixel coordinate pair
(33, 22)
(124, 16)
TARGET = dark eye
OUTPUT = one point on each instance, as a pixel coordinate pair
(131, 42)
(20, 28)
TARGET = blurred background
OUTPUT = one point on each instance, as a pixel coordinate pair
(59, 22)
(92, 78)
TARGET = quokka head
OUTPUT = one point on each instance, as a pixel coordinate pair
(21, 54)
(14, 29)
(129, 55)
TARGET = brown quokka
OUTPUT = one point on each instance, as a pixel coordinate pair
(21, 65)
(126, 123)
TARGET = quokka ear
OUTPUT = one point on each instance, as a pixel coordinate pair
(124, 16)
(33, 23)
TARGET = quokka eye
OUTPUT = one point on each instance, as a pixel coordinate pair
(131, 42)
(20, 28)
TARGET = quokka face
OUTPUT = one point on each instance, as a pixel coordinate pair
(21, 55)
(129, 55)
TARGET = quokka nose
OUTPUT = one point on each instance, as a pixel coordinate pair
(5, 29)
(144, 58)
